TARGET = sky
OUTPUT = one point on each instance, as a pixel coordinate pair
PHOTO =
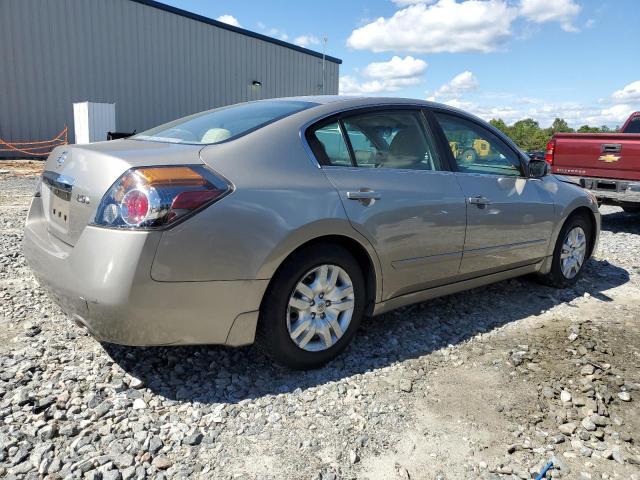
(509, 59)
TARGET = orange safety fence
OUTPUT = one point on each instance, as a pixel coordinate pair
(36, 149)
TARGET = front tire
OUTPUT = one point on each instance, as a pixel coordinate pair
(571, 252)
(313, 307)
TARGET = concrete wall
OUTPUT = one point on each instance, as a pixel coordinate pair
(155, 65)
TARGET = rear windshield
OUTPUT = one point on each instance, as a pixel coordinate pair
(633, 126)
(220, 124)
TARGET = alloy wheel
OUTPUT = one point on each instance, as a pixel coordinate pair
(320, 308)
(574, 250)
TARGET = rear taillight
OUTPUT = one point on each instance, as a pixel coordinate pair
(548, 154)
(155, 197)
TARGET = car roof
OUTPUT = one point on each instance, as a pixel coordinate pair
(325, 104)
(343, 102)
(352, 99)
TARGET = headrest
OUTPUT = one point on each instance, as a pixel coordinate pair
(215, 135)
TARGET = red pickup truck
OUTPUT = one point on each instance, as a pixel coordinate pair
(608, 164)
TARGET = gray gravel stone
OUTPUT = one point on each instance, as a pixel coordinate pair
(624, 396)
(587, 370)
(568, 428)
(161, 462)
(69, 405)
(587, 424)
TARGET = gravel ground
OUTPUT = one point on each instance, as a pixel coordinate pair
(491, 383)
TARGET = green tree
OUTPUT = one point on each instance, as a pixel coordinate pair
(500, 125)
(528, 135)
(560, 125)
(588, 129)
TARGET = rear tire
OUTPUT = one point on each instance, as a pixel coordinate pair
(563, 272)
(281, 318)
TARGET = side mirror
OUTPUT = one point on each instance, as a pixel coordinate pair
(538, 168)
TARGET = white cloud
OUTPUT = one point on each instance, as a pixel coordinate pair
(306, 40)
(447, 26)
(273, 32)
(404, 3)
(542, 11)
(229, 19)
(397, 67)
(611, 111)
(629, 93)
(575, 114)
(277, 33)
(350, 85)
(436, 26)
(616, 114)
(382, 77)
(462, 83)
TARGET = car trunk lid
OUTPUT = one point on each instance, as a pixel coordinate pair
(76, 177)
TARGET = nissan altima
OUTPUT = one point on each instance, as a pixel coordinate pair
(287, 221)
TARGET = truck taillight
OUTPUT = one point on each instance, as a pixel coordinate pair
(156, 197)
(548, 154)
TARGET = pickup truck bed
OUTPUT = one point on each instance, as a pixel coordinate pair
(607, 164)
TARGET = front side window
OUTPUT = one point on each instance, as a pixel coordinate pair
(390, 140)
(476, 149)
(214, 126)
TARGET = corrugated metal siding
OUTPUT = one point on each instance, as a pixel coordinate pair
(154, 65)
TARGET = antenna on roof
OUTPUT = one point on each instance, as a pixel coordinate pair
(324, 51)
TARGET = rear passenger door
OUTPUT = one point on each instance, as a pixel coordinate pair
(509, 216)
(397, 192)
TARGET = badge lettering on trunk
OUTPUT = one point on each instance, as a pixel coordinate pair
(61, 159)
(83, 199)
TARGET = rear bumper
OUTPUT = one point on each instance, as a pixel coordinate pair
(104, 283)
(612, 190)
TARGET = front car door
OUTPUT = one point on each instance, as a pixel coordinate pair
(396, 192)
(509, 216)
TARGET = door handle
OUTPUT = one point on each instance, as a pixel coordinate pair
(610, 148)
(479, 200)
(364, 194)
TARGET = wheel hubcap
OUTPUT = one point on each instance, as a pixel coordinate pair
(320, 308)
(574, 249)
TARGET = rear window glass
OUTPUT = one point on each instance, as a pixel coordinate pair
(220, 124)
(633, 126)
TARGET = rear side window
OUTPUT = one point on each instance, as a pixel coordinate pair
(220, 124)
(390, 140)
(329, 146)
(379, 139)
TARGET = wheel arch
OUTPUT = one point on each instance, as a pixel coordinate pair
(593, 234)
(361, 251)
(579, 209)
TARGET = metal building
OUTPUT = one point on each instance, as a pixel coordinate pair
(154, 61)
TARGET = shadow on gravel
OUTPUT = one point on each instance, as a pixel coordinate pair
(218, 374)
(621, 222)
